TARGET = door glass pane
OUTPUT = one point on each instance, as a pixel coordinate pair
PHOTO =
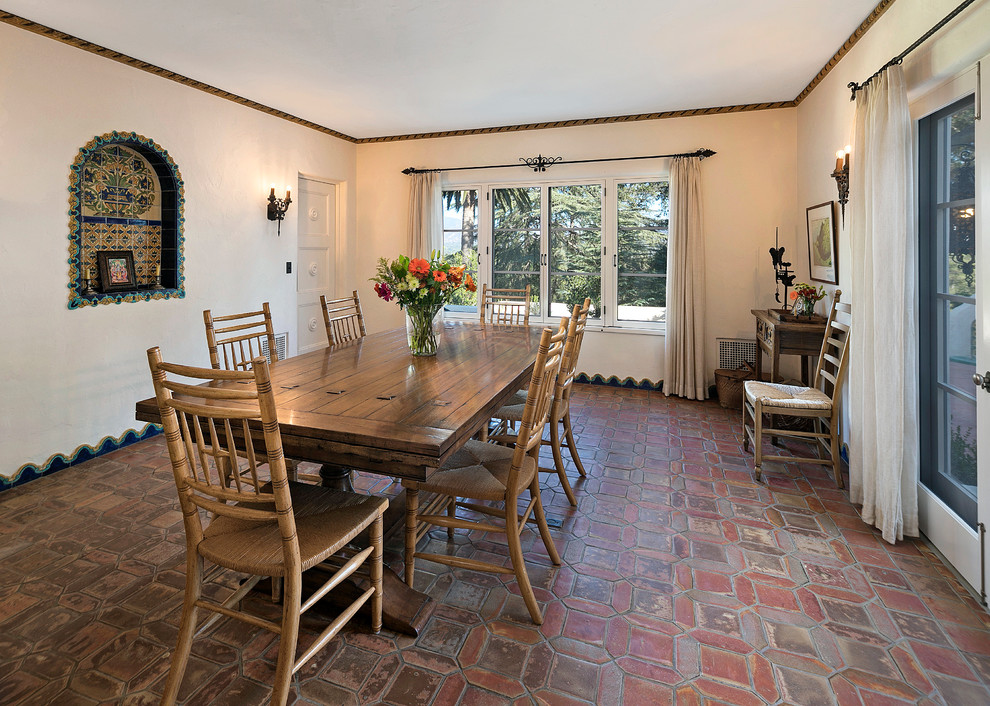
(460, 241)
(575, 247)
(516, 239)
(958, 442)
(961, 255)
(643, 212)
(957, 345)
(962, 148)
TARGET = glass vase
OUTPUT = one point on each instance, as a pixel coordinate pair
(423, 329)
(805, 307)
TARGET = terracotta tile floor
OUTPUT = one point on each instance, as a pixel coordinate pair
(683, 582)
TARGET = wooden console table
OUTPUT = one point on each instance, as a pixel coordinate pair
(777, 338)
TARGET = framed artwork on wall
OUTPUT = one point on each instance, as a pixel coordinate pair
(823, 253)
(116, 270)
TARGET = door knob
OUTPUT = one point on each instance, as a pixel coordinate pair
(982, 380)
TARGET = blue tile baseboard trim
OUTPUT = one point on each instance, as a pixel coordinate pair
(614, 381)
(32, 471)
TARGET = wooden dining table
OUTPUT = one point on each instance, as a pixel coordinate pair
(371, 405)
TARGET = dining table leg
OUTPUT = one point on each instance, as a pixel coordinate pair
(336, 477)
(404, 609)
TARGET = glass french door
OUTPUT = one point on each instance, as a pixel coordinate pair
(948, 306)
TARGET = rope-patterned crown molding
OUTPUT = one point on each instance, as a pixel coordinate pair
(78, 43)
(582, 121)
(44, 31)
(844, 49)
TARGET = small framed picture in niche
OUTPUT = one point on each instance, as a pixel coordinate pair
(116, 270)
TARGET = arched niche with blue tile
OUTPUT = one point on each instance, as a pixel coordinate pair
(125, 194)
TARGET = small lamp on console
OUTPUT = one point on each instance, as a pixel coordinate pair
(277, 207)
(841, 176)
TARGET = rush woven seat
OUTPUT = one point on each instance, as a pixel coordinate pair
(496, 475)
(480, 471)
(326, 520)
(560, 409)
(820, 402)
(220, 435)
(786, 396)
(343, 319)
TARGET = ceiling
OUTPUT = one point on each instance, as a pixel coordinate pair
(371, 68)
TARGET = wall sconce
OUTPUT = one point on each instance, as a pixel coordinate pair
(841, 176)
(277, 207)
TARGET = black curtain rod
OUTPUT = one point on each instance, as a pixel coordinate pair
(854, 87)
(540, 163)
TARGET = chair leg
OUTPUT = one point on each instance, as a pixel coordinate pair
(376, 575)
(412, 509)
(187, 628)
(572, 447)
(541, 522)
(288, 639)
(519, 564)
(558, 462)
(758, 440)
(745, 433)
(451, 512)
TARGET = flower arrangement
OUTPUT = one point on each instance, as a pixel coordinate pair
(806, 296)
(421, 287)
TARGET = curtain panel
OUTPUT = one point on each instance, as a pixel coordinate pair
(883, 387)
(684, 342)
(424, 213)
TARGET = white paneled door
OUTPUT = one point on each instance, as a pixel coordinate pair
(315, 259)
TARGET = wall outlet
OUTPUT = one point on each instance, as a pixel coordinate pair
(288, 268)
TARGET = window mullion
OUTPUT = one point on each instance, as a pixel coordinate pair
(544, 252)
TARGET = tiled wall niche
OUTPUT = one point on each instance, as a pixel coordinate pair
(125, 193)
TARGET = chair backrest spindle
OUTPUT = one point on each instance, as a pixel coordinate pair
(235, 344)
(505, 306)
(343, 318)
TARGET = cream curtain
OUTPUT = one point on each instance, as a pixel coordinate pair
(883, 370)
(684, 344)
(424, 213)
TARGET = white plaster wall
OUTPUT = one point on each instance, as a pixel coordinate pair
(749, 189)
(72, 377)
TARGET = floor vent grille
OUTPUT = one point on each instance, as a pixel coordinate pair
(280, 343)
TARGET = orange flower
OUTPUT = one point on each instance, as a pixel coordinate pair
(439, 276)
(469, 284)
(794, 294)
(455, 274)
(419, 267)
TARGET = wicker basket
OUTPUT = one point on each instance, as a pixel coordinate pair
(729, 385)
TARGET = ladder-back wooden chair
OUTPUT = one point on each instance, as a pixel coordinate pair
(256, 526)
(240, 339)
(343, 318)
(560, 411)
(489, 473)
(505, 306)
(819, 402)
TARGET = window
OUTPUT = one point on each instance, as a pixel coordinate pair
(605, 240)
(947, 292)
(643, 213)
(460, 241)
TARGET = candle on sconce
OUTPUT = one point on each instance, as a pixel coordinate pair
(288, 193)
(839, 155)
(273, 191)
(845, 156)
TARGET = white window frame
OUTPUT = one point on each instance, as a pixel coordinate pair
(609, 220)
